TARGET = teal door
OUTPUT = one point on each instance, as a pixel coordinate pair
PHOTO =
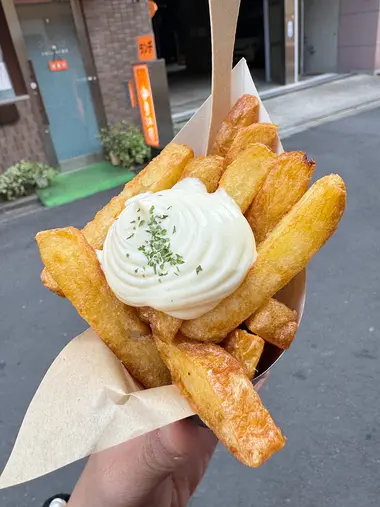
(53, 48)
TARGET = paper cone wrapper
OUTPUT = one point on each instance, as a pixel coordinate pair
(87, 402)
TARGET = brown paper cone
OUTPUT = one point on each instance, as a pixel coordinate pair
(87, 402)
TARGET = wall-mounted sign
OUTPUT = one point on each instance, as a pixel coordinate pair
(146, 50)
(58, 65)
(153, 8)
(145, 98)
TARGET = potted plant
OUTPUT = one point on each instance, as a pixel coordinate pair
(24, 178)
(124, 145)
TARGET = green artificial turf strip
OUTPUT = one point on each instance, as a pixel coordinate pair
(70, 186)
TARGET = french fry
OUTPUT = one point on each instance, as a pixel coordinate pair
(164, 327)
(285, 185)
(245, 176)
(283, 254)
(224, 139)
(74, 264)
(245, 348)
(144, 313)
(274, 322)
(244, 113)
(49, 282)
(264, 133)
(217, 388)
(207, 169)
(160, 174)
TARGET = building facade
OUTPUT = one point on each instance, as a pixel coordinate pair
(66, 66)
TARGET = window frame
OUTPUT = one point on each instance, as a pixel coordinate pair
(13, 51)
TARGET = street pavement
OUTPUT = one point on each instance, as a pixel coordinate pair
(323, 393)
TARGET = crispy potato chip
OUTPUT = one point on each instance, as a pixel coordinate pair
(264, 133)
(75, 266)
(217, 388)
(244, 113)
(274, 322)
(245, 176)
(245, 348)
(285, 185)
(207, 169)
(283, 254)
(160, 174)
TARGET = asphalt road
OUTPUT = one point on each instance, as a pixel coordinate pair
(323, 394)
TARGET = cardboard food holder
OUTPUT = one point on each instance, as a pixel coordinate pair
(87, 402)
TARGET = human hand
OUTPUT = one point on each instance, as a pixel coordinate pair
(161, 469)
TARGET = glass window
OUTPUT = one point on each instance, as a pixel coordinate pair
(6, 88)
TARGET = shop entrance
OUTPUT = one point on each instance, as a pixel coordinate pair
(56, 61)
(183, 39)
(319, 35)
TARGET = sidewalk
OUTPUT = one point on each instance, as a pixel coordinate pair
(296, 110)
(307, 108)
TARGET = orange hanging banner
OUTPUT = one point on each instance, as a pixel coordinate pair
(146, 50)
(145, 98)
(153, 8)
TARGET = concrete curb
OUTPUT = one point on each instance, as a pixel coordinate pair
(179, 118)
(22, 202)
(291, 130)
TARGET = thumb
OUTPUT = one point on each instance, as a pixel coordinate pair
(164, 450)
(127, 474)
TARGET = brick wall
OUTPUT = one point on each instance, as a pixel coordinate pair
(21, 140)
(113, 26)
(359, 27)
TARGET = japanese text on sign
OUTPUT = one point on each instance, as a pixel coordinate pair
(58, 65)
(146, 48)
(145, 98)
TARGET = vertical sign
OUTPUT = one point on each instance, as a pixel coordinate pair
(146, 50)
(145, 98)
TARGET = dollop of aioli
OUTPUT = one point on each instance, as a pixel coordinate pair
(181, 251)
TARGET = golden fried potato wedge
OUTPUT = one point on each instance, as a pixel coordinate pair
(75, 266)
(217, 388)
(160, 174)
(144, 313)
(245, 176)
(49, 282)
(283, 254)
(245, 348)
(164, 327)
(285, 185)
(224, 139)
(207, 169)
(274, 322)
(244, 113)
(264, 133)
